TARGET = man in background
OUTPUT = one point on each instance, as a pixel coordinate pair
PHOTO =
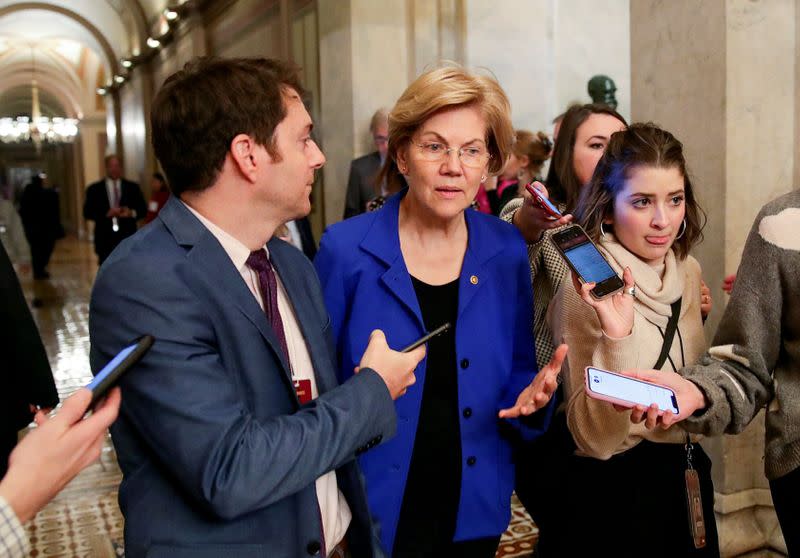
(114, 204)
(361, 185)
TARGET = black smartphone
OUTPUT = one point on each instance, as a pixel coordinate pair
(427, 337)
(586, 261)
(117, 366)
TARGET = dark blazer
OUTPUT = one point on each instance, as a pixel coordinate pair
(306, 237)
(96, 206)
(218, 457)
(367, 286)
(26, 374)
(361, 185)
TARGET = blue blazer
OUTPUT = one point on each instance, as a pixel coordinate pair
(367, 286)
(218, 457)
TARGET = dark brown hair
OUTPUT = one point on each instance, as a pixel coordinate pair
(641, 145)
(562, 183)
(201, 108)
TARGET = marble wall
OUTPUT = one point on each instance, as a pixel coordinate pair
(721, 75)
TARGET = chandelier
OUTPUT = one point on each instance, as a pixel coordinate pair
(37, 128)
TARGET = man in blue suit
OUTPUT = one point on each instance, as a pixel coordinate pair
(235, 438)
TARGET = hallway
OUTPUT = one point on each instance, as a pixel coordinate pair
(84, 520)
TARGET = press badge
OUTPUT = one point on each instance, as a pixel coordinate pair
(697, 523)
(303, 390)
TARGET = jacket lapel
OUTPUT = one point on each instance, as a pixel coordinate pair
(208, 260)
(383, 242)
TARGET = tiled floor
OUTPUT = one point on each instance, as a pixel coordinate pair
(84, 520)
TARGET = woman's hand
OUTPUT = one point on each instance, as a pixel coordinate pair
(614, 312)
(532, 220)
(705, 300)
(540, 390)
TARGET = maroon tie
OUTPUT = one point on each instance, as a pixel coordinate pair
(258, 261)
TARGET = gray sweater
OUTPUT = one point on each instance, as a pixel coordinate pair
(755, 357)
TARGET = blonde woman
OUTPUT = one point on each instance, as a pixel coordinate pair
(442, 485)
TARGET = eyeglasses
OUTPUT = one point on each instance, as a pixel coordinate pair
(471, 156)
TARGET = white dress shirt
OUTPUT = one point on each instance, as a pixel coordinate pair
(333, 507)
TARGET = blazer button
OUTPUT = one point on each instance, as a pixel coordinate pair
(471, 460)
(464, 363)
(467, 412)
(313, 548)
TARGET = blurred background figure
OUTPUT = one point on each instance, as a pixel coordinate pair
(12, 236)
(41, 218)
(528, 155)
(114, 204)
(159, 194)
(362, 185)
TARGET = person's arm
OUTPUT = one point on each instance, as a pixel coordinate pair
(530, 219)
(528, 390)
(58, 449)
(598, 430)
(191, 414)
(735, 375)
(725, 390)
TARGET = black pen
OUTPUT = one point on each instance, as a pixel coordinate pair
(427, 337)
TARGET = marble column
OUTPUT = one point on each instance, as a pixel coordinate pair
(720, 74)
(363, 66)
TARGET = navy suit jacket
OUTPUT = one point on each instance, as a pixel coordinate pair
(367, 286)
(218, 457)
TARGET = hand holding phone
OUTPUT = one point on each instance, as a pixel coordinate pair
(117, 366)
(588, 263)
(548, 206)
(629, 392)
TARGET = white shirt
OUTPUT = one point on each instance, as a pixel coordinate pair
(294, 234)
(113, 191)
(333, 507)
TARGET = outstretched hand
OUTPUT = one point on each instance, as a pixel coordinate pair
(615, 312)
(690, 399)
(540, 390)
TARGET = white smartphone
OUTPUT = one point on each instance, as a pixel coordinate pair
(628, 392)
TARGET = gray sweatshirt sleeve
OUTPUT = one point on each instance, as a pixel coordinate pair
(736, 373)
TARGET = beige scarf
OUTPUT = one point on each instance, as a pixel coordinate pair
(654, 293)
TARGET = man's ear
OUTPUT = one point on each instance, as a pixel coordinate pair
(242, 152)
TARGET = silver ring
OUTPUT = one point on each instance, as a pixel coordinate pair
(631, 291)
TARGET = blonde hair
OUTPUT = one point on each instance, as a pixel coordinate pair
(446, 88)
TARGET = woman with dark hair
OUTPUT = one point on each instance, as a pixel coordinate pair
(442, 486)
(626, 484)
(584, 133)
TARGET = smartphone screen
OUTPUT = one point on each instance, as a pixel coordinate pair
(111, 372)
(639, 392)
(586, 260)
